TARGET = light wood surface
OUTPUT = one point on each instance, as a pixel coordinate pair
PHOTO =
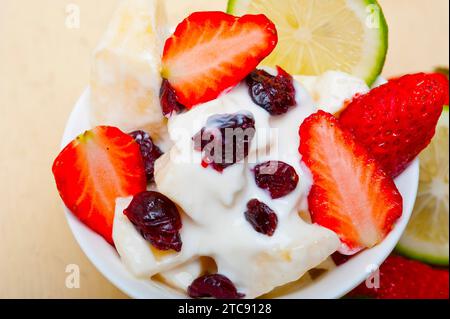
(44, 66)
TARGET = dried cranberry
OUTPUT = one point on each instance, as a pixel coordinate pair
(278, 178)
(261, 217)
(226, 139)
(216, 286)
(168, 99)
(157, 218)
(275, 94)
(149, 151)
(340, 259)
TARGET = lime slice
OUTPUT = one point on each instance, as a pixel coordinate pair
(426, 237)
(321, 35)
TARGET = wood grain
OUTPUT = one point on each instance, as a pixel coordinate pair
(44, 66)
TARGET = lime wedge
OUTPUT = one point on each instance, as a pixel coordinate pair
(426, 237)
(321, 35)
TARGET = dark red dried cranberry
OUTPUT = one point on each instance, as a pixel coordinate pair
(261, 217)
(278, 178)
(149, 151)
(157, 218)
(226, 139)
(340, 259)
(215, 286)
(275, 94)
(168, 99)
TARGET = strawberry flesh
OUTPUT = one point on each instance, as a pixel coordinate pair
(95, 169)
(351, 194)
(214, 51)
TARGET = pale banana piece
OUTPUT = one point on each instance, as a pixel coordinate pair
(304, 281)
(174, 270)
(283, 291)
(134, 251)
(181, 277)
(137, 254)
(327, 265)
(125, 79)
(331, 90)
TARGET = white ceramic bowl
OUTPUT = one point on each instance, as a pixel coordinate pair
(334, 284)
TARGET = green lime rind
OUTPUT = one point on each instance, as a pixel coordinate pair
(239, 7)
(423, 256)
(380, 59)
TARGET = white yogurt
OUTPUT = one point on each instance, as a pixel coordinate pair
(214, 203)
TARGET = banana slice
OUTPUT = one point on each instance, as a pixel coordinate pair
(181, 277)
(125, 79)
(138, 255)
(333, 89)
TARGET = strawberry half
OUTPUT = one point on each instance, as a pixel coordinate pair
(351, 194)
(213, 51)
(95, 169)
(396, 121)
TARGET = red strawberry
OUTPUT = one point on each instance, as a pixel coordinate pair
(401, 278)
(396, 121)
(213, 51)
(96, 168)
(444, 79)
(351, 194)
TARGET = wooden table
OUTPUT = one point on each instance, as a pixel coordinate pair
(44, 66)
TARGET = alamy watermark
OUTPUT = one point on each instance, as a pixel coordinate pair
(73, 276)
(73, 17)
(373, 281)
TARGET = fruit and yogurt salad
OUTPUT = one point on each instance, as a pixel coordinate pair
(217, 173)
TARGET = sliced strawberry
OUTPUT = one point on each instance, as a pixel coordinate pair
(396, 121)
(351, 195)
(95, 169)
(213, 51)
